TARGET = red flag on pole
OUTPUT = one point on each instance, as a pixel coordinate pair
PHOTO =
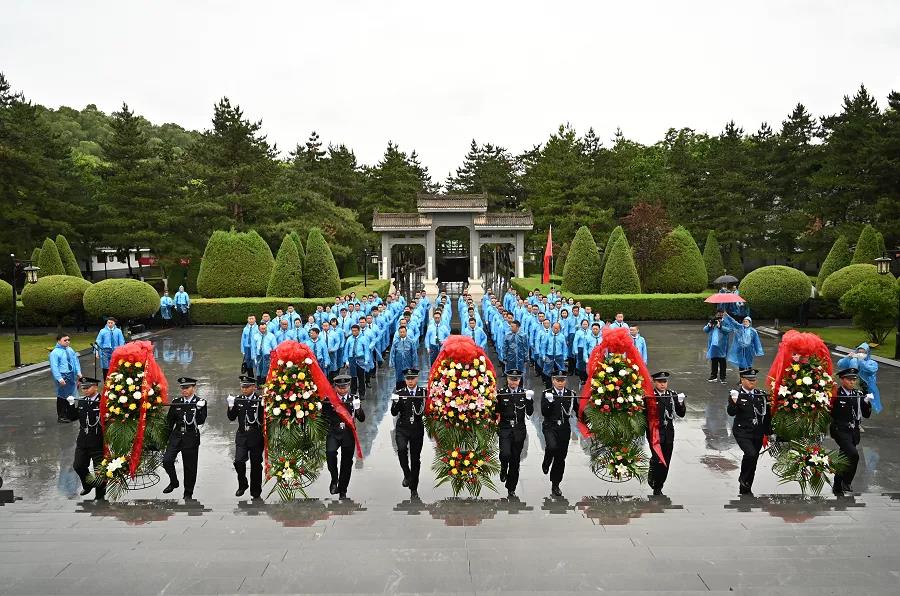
(548, 255)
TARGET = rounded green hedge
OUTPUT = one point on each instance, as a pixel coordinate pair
(50, 262)
(6, 297)
(838, 258)
(287, 274)
(125, 299)
(867, 247)
(55, 295)
(620, 275)
(776, 290)
(682, 270)
(842, 280)
(70, 263)
(320, 273)
(581, 272)
(712, 258)
(235, 264)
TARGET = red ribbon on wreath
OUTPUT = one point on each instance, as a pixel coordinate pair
(619, 341)
(136, 351)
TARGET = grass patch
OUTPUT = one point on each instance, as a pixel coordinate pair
(36, 348)
(850, 337)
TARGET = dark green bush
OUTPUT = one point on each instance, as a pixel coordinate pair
(681, 269)
(614, 236)
(838, 258)
(179, 275)
(581, 273)
(36, 257)
(867, 247)
(620, 275)
(125, 299)
(56, 295)
(50, 263)
(287, 274)
(873, 306)
(560, 258)
(842, 280)
(776, 290)
(712, 258)
(320, 275)
(733, 265)
(301, 252)
(70, 263)
(235, 264)
(882, 249)
(6, 297)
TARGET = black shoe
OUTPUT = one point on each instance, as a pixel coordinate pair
(502, 474)
(413, 494)
(836, 489)
(188, 496)
(173, 484)
(711, 379)
(723, 381)
(333, 489)
(405, 482)
(242, 488)
(342, 496)
(744, 489)
(87, 490)
(256, 497)
(545, 467)
(845, 486)
(511, 494)
(657, 492)
(63, 420)
(555, 491)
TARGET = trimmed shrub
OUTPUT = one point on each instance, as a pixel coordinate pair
(56, 295)
(50, 262)
(287, 274)
(620, 275)
(235, 264)
(873, 306)
(559, 259)
(301, 252)
(841, 281)
(776, 290)
(320, 274)
(581, 273)
(70, 263)
(733, 264)
(6, 297)
(614, 236)
(712, 258)
(867, 248)
(681, 269)
(838, 258)
(882, 248)
(179, 275)
(36, 257)
(125, 299)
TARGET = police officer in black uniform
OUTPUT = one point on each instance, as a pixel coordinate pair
(668, 405)
(248, 440)
(408, 404)
(752, 421)
(513, 404)
(340, 436)
(186, 414)
(850, 407)
(558, 404)
(89, 444)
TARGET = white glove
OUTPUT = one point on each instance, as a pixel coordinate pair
(734, 394)
(230, 401)
(681, 397)
(201, 403)
(71, 400)
(529, 393)
(356, 403)
(395, 397)
(870, 397)
(549, 397)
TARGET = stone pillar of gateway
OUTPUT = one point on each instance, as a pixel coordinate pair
(452, 210)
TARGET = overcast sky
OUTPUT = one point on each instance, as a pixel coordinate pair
(433, 75)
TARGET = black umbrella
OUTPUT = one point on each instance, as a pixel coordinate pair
(725, 279)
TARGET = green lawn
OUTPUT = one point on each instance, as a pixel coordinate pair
(850, 337)
(36, 348)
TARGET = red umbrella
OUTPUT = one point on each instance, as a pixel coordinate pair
(724, 298)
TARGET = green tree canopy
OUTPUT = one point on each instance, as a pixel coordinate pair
(868, 247)
(581, 274)
(70, 263)
(620, 276)
(838, 258)
(712, 257)
(614, 237)
(681, 269)
(286, 280)
(321, 278)
(51, 263)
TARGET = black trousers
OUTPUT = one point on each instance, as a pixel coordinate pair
(83, 457)
(750, 446)
(717, 368)
(340, 441)
(409, 452)
(511, 445)
(62, 408)
(249, 445)
(659, 472)
(847, 441)
(556, 440)
(189, 456)
(357, 379)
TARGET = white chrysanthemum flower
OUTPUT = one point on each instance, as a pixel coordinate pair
(300, 413)
(319, 405)
(276, 411)
(783, 391)
(130, 381)
(288, 472)
(798, 395)
(620, 400)
(807, 381)
(136, 395)
(482, 368)
(598, 401)
(448, 393)
(635, 367)
(116, 464)
(280, 362)
(609, 369)
(624, 372)
(621, 469)
(123, 399)
(150, 392)
(307, 360)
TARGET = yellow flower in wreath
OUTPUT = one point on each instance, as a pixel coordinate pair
(454, 471)
(301, 375)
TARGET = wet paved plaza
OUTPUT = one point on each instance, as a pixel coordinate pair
(600, 536)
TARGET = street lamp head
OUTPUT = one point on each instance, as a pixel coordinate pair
(375, 259)
(883, 265)
(31, 274)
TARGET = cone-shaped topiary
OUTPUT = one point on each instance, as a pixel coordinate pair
(56, 295)
(681, 269)
(867, 249)
(50, 262)
(734, 266)
(882, 249)
(301, 253)
(36, 257)
(286, 280)
(614, 236)
(235, 264)
(125, 299)
(560, 258)
(838, 258)
(712, 258)
(6, 297)
(776, 290)
(620, 275)
(320, 273)
(843, 280)
(70, 263)
(581, 273)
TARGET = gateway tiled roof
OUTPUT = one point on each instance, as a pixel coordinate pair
(428, 202)
(387, 222)
(516, 221)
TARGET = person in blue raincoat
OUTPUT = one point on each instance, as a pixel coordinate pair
(475, 332)
(639, 342)
(555, 353)
(109, 338)
(319, 348)
(588, 342)
(745, 342)
(358, 352)
(717, 336)
(515, 348)
(435, 336)
(248, 346)
(265, 343)
(66, 370)
(862, 360)
(166, 306)
(182, 306)
(404, 355)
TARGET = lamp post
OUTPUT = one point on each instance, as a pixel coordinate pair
(883, 266)
(369, 255)
(30, 278)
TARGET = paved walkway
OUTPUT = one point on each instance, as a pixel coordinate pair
(601, 536)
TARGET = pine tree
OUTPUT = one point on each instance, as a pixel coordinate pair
(882, 249)
(488, 169)
(734, 265)
(712, 257)
(560, 256)
(617, 233)
(321, 278)
(50, 262)
(581, 274)
(620, 276)
(286, 280)
(838, 258)
(681, 269)
(298, 243)
(70, 263)
(393, 183)
(867, 247)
